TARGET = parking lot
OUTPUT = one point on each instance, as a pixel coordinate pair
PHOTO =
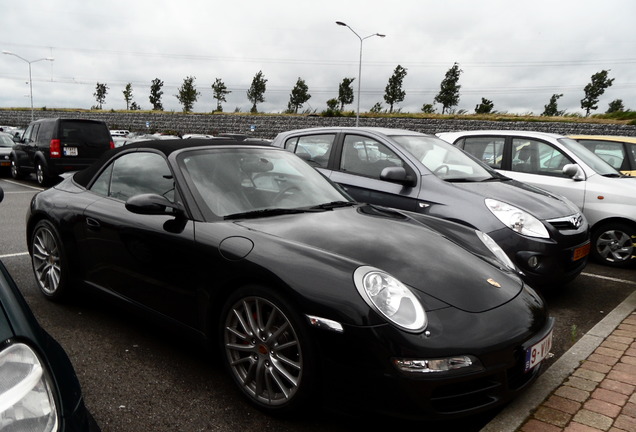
(138, 374)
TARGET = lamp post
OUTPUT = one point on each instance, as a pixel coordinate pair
(30, 81)
(340, 23)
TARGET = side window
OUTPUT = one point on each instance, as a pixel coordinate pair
(45, 132)
(366, 156)
(133, 174)
(487, 149)
(611, 152)
(26, 136)
(537, 157)
(31, 134)
(315, 149)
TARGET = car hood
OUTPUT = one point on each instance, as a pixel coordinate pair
(403, 246)
(538, 202)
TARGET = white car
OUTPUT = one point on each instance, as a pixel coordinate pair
(562, 165)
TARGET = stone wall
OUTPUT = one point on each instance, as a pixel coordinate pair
(268, 125)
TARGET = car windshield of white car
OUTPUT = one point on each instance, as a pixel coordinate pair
(590, 158)
(5, 140)
(255, 182)
(444, 160)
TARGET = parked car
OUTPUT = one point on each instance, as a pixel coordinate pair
(50, 147)
(618, 151)
(6, 145)
(564, 166)
(119, 132)
(38, 386)
(545, 236)
(303, 290)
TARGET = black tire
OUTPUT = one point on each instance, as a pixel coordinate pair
(49, 262)
(614, 244)
(267, 351)
(16, 172)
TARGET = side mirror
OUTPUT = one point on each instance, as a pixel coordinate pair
(397, 175)
(574, 172)
(152, 204)
(1, 194)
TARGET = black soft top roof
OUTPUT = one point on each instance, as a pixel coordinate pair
(166, 147)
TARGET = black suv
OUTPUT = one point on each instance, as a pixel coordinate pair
(50, 147)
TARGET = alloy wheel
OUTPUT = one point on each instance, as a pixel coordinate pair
(47, 261)
(615, 246)
(263, 351)
(15, 170)
(39, 174)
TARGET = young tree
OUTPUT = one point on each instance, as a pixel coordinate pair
(299, 95)
(155, 94)
(448, 94)
(551, 109)
(485, 107)
(428, 109)
(256, 92)
(134, 106)
(128, 95)
(188, 94)
(393, 92)
(594, 90)
(332, 107)
(615, 106)
(219, 89)
(377, 108)
(100, 94)
(345, 92)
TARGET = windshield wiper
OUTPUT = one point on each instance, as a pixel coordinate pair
(267, 212)
(332, 205)
(285, 211)
(612, 175)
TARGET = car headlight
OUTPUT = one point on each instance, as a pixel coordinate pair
(496, 250)
(517, 219)
(390, 298)
(26, 397)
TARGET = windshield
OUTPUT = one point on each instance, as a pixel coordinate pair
(5, 140)
(443, 159)
(235, 181)
(589, 157)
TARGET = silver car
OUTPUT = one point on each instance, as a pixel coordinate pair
(562, 165)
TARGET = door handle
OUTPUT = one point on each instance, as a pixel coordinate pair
(93, 223)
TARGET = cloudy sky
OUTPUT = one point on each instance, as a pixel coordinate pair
(514, 53)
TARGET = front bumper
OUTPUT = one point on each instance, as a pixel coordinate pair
(359, 372)
(545, 263)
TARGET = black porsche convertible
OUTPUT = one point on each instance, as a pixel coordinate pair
(308, 295)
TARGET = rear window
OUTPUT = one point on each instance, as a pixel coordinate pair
(83, 132)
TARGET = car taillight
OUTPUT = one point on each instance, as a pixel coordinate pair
(55, 148)
(112, 145)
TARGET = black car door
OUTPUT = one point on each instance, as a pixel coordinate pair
(146, 259)
(27, 148)
(357, 169)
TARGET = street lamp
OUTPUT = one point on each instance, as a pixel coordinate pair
(340, 23)
(30, 81)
